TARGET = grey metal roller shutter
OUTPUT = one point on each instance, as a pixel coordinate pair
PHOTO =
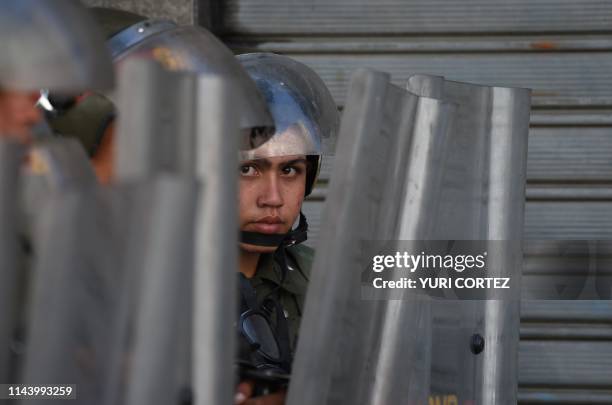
(560, 49)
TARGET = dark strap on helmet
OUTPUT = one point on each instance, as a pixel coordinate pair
(293, 237)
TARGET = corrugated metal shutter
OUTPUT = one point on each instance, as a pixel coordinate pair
(560, 49)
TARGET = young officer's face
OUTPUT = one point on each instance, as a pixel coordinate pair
(18, 113)
(271, 195)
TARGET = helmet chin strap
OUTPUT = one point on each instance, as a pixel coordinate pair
(293, 237)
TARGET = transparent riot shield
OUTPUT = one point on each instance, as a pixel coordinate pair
(406, 350)
(216, 256)
(203, 146)
(120, 293)
(54, 164)
(401, 360)
(86, 275)
(76, 282)
(27, 180)
(63, 162)
(154, 150)
(153, 324)
(155, 134)
(363, 132)
(475, 355)
(377, 133)
(11, 155)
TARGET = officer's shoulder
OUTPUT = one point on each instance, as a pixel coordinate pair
(303, 256)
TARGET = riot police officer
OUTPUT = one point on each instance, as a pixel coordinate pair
(274, 180)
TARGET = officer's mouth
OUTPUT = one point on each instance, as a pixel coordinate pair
(267, 224)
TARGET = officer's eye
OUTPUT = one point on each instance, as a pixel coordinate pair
(291, 171)
(248, 170)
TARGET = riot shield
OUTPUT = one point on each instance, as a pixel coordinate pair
(64, 162)
(117, 271)
(86, 275)
(482, 198)
(451, 182)
(216, 255)
(321, 327)
(159, 120)
(54, 164)
(401, 359)
(377, 132)
(11, 155)
(76, 283)
(201, 147)
(156, 306)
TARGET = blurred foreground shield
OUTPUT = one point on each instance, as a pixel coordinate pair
(133, 297)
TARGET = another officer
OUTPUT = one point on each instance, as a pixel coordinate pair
(274, 179)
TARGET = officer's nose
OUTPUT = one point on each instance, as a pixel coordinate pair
(271, 195)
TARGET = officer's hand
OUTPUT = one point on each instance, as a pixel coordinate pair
(244, 391)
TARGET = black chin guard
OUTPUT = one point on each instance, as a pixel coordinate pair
(293, 237)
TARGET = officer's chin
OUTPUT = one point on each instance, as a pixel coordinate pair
(247, 247)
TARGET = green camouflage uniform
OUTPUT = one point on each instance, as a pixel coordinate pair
(293, 288)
